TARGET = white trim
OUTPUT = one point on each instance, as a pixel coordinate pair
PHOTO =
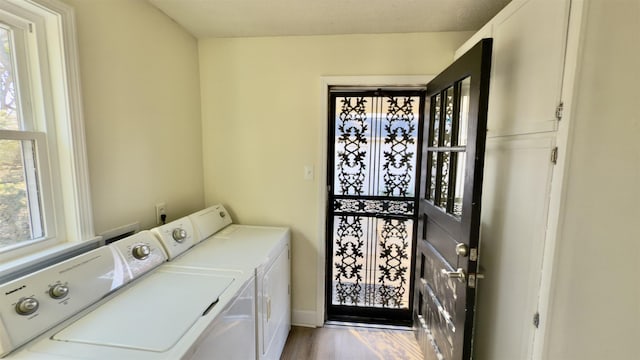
(559, 182)
(60, 76)
(326, 82)
(303, 318)
(79, 212)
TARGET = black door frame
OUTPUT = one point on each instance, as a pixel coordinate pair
(369, 314)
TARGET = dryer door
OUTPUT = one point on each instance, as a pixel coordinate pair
(232, 334)
(275, 316)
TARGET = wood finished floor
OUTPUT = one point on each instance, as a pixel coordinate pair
(350, 343)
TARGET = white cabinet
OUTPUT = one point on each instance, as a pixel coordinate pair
(518, 174)
(526, 87)
(529, 38)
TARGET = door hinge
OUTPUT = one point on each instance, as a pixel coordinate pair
(559, 111)
(536, 319)
(554, 155)
(30, 27)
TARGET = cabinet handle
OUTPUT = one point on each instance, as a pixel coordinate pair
(268, 308)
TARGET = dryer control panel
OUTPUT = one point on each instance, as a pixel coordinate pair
(176, 237)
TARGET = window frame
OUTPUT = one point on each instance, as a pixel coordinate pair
(54, 97)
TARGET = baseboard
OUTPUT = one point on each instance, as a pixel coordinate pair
(303, 318)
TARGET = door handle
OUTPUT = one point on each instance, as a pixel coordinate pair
(458, 274)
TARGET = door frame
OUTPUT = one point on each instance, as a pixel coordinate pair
(326, 82)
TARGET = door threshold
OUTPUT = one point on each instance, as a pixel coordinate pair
(339, 324)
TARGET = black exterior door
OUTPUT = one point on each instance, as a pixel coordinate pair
(372, 203)
(449, 206)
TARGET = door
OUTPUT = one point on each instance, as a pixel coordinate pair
(449, 205)
(372, 203)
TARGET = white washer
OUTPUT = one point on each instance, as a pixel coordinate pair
(166, 313)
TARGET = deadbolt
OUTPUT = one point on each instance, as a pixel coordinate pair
(462, 250)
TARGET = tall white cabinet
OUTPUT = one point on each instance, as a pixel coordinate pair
(530, 90)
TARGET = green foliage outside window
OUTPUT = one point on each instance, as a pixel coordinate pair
(14, 208)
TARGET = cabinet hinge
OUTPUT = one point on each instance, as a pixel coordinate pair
(554, 155)
(536, 319)
(289, 289)
(559, 111)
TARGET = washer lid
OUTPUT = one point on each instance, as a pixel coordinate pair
(151, 315)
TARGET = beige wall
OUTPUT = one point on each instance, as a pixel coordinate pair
(141, 95)
(261, 108)
(596, 299)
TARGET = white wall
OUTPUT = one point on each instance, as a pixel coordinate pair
(261, 109)
(140, 81)
(596, 295)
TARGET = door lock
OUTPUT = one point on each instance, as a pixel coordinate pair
(473, 279)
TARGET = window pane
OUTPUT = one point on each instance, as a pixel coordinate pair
(8, 102)
(433, 171)
(459, 183)
(20, 213)
(464, 111)
(448, 116)
(444, 180)
(435, 124)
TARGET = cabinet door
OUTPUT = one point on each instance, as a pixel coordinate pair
(518, 174)
(529, 38)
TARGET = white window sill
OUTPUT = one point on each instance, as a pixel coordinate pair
(29, 263)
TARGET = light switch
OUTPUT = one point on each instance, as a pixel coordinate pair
(308, 172)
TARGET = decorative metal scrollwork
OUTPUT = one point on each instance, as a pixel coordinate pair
(399, 159)
(351, 131)
(348, 248)
(374, 207)
(374, 172)
(394, 245)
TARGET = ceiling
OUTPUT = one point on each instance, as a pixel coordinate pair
(248, 18)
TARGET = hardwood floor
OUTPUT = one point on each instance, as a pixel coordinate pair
(335, 342)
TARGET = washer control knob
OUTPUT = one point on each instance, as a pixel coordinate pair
(179, 234)
(141, 251)
(27, 306)
(58, 291)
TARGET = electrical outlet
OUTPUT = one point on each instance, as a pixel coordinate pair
(161, 209)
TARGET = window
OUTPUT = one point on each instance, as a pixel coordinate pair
(44, 197)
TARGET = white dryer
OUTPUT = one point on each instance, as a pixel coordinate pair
(262, 250)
